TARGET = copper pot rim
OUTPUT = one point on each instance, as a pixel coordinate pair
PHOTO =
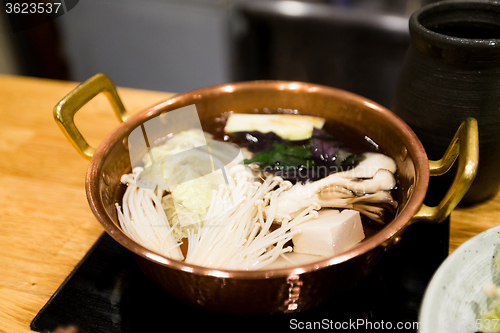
(116, 136)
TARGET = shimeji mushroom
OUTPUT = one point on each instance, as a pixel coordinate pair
(365, 188)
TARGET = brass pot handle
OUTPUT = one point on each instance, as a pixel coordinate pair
(465, 146)
(65, 110)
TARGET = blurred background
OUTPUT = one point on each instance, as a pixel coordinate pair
(179, 45)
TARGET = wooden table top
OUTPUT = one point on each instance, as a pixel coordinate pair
(46, 225)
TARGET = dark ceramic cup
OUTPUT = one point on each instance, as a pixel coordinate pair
(451, 72)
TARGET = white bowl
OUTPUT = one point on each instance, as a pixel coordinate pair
(454, 301)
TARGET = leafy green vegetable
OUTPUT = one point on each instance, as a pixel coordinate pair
(283, 157)
(306, 160)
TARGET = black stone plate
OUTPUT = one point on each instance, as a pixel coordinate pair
(106, 292)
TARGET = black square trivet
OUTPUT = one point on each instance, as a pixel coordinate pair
(107, 292)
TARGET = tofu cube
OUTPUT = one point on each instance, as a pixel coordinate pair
(332, 233)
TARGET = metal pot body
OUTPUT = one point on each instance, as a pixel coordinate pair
(256, 296)
(270, 290)
(267, 291)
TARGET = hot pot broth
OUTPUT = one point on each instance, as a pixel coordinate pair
(355, 141)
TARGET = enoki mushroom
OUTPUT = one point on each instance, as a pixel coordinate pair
(235, 233)
(143, 218)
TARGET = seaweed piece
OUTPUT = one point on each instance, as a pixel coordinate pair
(330, 153)
(324, 148)
(257, 142)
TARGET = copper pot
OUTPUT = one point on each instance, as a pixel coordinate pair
(273, 290)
